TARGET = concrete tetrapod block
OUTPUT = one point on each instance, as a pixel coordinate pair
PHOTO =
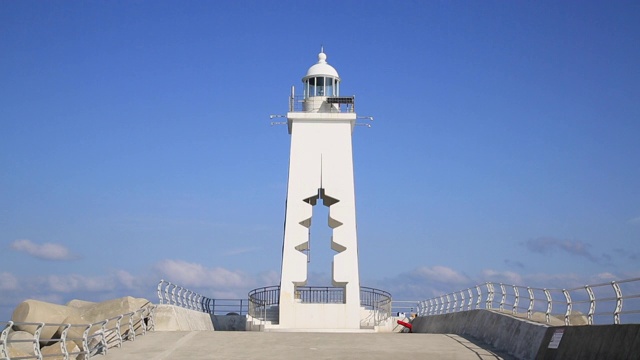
(80, 304)
(41, 312)
(111, 308)
(75, 333)
(21, 348)
(16, 353)
(54, 351)
(82, 313)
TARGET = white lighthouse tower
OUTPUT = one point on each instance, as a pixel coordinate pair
(320, 174)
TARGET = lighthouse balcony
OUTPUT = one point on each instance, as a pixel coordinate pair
(375, 304)
(330, 104)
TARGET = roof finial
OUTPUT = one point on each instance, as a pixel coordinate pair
(322, 57)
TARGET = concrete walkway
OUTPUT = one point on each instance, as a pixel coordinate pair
(296, 345)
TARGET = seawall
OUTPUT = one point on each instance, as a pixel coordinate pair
(525, 339)
(175, 318)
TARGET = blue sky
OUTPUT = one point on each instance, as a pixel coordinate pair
(135, 143)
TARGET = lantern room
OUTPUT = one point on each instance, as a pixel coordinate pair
(321, 79)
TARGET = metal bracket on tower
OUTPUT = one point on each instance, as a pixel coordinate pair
(277, 122)
(370, 118)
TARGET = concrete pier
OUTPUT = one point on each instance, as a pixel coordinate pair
(293, 346)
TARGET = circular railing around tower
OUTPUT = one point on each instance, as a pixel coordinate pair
(261, 300)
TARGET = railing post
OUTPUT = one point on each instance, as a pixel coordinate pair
(592, 304)
(516, 293)
(462, 300)
(567, 296)
(103, 332)
(36, 341)
(174, 301)
(455, 302)
(85, 342)
(132, 331)
(63, 341)
(152, 318)
(143, 326)
(503, 298)
(3, 339)
(159, 288)
(179, 296)
(189, 299)
(167, 297)
(118, 333)
(490, 293)
(470, 298)
(531, 303)
(547, 314)
(618, 310)
(479, 292)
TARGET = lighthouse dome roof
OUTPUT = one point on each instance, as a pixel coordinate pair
(322, 67)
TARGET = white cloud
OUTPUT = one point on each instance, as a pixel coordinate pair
(559, 280)
(126, 279)
(8, 281)
(441, 274)
(46, 251)
(75, 283)
(505, 277)
(188, 274)
(269, 278)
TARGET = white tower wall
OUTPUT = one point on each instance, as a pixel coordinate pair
(320, 173)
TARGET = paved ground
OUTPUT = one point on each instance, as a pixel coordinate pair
(306, 346)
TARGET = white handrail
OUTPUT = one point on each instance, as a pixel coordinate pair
(138, 323)
(570, 303)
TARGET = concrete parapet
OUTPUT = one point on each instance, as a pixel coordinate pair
(229, 322)
(593, 342)
(520, 338)
(529, 340)
(175, 318)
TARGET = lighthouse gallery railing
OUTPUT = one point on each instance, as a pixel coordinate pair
(261, 299)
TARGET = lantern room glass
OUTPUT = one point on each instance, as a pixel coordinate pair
(320, 86)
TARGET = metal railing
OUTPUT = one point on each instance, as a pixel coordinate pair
(172, 294)
(344, 104)
(406, 307)
(90, 339)
(320, 294)
(377, 300)
(261, 299)
(589, 304)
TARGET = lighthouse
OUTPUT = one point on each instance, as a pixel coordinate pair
(321, 123)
